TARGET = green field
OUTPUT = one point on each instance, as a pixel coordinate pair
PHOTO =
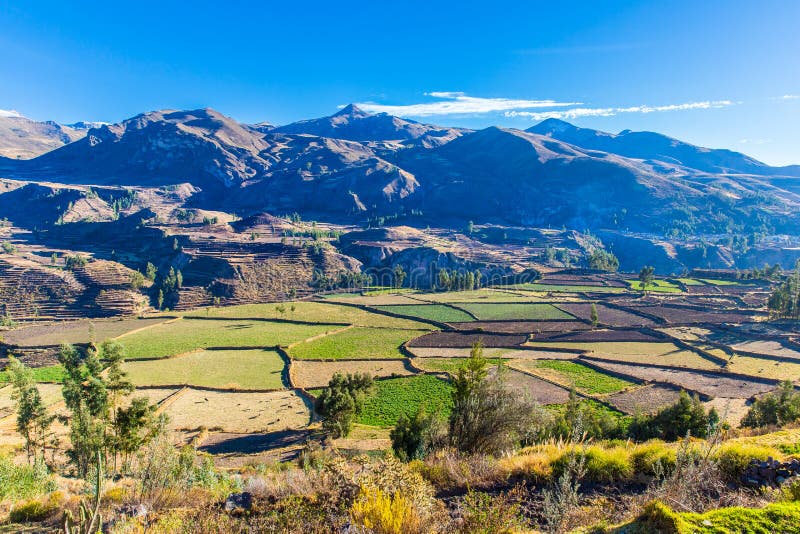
(567, 288)
(512, 312)
(52, 373)
(713, 282)
(356, 343)
(584, 379)
(188, 334)
(395, 396)
(447, 365)
(433, 312)
(690, 282)
(237, 369)
(479, 295)
(658, 286)
(312, 312)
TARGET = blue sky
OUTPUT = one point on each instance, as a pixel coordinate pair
(722, 74)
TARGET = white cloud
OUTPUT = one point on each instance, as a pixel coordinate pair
(455, 103)
(575, 113)
(790, 97)
(755, 141)
(9, 113)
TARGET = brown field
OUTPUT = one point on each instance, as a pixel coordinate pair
(516, 354)
(238, 412)
(76, 331)
(539, 390)
(480, 295)
(457, 339)
(606, 315)
(763, 367)
(730, 410)
(522, 327)
(636, 352)
(318, 374)
(599, 335)
(675, 315)
(644, 399)
(711, 384)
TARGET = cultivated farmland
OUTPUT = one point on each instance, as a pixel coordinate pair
(313, 374)
(225, 369)
(355, 344)
(433, 312)
(515, 312)
(573, 374)
(189, 334)
(395, 396)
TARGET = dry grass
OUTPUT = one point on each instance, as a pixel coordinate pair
(238, 412)
(318, 374)
(764, 368)
(76, 331)
(241, 369)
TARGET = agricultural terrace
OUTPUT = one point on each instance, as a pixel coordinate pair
(657, 286)
(186, 335)
(225, 369)
(478, 295)
(433, 312)
(515, 312)
(395, 396)
(313, 374)
(52, 374)
(764, 367)
(448, 365)
(76, 332)
(310, 312)
(547, 288)
(666, 354)
(358, 343)
(238, 412)
(573, 374)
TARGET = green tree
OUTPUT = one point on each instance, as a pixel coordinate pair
(341, 401)
(593, 315)
(646, 277)
(33, 420)
(686, 416)
(151, 272)
(136, 280)
(777, 408)
(399, 276)
(603, 261)
(414, 437)
(487, 417)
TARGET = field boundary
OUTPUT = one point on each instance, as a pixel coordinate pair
(266, 320)
(162, 323)
(320, 336)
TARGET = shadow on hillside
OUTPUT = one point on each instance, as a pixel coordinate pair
(228, 443)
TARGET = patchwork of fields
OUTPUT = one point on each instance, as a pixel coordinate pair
(254, 369)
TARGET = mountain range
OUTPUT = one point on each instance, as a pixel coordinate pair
(355, 165)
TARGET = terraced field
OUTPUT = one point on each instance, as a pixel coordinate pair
(186, 335)
(515, 312)
(666, 354)
(358, 343)
(433, 312)
(573, 374)
(541, 330)
(395, 396)
(224, 369)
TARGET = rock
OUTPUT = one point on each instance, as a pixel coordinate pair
(239, 502)
(135, 510)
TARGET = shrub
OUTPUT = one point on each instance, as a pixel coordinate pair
(778, 408)
(484, 513)
(653, 458)
(384, 514)
(602, 464)
(415, 437)
(734, 457)
(36, 510)
(686, 416)
(341, 401)
(23, 481)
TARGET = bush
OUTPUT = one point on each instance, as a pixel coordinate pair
(415, 437)
(653, 458)
(341, 401)
(482, 512)
(36, 510)
(602, 464)
(734, 457)
(778, 408)
(384, 514)
(686, 416)
(23, 481)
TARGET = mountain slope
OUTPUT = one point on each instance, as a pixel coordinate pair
(354, 124)
(654, 146)
(159, 148)
(23, 138)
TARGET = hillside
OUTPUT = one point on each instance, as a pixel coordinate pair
(23, 138)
